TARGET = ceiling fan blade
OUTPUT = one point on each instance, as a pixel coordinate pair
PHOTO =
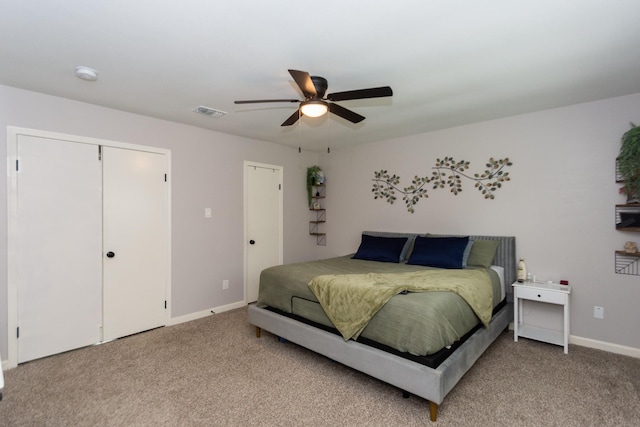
(303, 80)
(346, 114)
(258, 101)
(374, 92)
(292, 119)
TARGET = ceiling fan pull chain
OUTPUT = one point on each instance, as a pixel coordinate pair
(299, 131)
(328, 135)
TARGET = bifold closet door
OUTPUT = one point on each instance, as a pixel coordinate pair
(59, 223)
(135, 233)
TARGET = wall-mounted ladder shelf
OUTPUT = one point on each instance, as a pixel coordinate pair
(627, 219)
(316, 225)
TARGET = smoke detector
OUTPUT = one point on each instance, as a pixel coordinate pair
(86, 73)
(210, 112)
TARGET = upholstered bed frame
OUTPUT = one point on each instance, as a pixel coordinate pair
(432, 384)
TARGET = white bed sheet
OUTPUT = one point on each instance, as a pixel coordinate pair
(503, 288)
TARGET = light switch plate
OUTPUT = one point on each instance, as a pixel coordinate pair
(598, 312)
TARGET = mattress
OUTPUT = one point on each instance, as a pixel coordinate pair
(417, 324)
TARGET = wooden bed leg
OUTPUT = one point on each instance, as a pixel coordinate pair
(433, 411)
(258, 331)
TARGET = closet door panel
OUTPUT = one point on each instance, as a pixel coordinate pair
(135, 241)
(59, 220)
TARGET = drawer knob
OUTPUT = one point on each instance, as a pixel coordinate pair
(538, 295)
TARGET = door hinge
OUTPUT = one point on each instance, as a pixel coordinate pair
(17, 165)
(279, 186)
(18, 332)
(165, 177)
(99, 152)
(165, 304)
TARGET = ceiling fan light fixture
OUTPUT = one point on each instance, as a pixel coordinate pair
(314, 108)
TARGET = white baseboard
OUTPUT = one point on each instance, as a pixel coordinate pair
(205, 313)
(600, 345)
(606, 346)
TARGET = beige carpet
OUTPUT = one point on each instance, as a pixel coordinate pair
(215, 372)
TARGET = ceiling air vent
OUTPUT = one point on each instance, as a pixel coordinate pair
(206, 111)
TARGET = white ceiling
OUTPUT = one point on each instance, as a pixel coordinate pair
(449, 62)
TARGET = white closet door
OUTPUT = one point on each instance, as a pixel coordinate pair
(59, 220)
(135, 232)
(264, 224)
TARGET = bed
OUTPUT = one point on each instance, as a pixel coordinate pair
(288, 307)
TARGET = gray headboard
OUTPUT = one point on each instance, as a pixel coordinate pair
(505, 254)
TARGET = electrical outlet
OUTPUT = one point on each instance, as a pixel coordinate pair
(225, 284)
(598, 312)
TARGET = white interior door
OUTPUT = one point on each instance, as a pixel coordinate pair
(264, 223)
(136, 234)
(59, 227)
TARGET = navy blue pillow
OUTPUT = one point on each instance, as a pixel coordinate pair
(441, 252)
(385, 249)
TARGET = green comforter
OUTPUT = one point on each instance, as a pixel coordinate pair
(351, 300)
(419, 323)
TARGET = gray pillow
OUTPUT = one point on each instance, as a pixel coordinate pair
(482, 253)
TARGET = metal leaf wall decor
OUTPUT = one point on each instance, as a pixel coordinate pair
(446, 173)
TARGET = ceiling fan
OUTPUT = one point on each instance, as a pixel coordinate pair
(315, 103)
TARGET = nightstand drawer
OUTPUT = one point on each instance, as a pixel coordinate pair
(541, 295)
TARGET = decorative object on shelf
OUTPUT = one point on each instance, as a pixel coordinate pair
(446, 172)
(628, 164)
(314, 174)
(316, 206)
(631, 247)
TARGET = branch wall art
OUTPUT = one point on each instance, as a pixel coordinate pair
(446, 173)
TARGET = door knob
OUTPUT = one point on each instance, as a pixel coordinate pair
(252, 242)
(110, 254)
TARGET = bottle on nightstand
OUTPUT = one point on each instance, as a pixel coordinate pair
(522, 271)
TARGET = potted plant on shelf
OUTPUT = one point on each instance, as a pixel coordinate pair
(314, 175)
(629, 164)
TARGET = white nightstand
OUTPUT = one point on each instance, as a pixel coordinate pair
(550, 293)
